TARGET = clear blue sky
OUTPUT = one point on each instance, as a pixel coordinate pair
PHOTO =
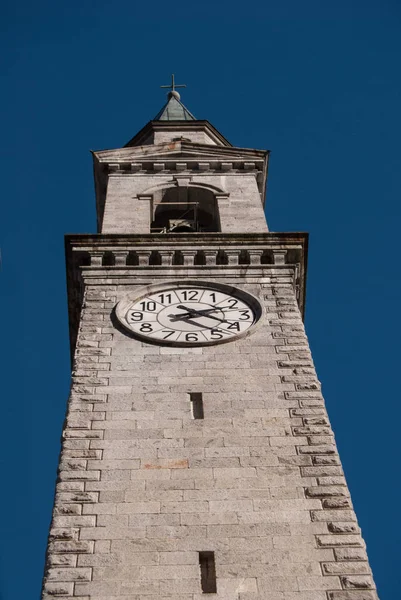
(316, 82)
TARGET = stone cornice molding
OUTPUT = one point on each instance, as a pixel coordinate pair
(152, 126)
(182, 163)
(119, 259)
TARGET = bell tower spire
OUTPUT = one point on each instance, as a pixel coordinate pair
(180, 174)
(174, 110)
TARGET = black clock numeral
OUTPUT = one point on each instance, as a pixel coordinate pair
(234, 325)
(190, 294)
(245, 315)
(212, 295)
(232, 302)
(216, 334)
(150, 305)
(146, 327)
(191, 337)
(165, 298)
(169, 333)
(136, 316)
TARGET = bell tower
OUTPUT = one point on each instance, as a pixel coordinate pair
(197, 455)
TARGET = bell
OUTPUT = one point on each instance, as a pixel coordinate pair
(181, 226)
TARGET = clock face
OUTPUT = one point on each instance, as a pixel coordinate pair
(189, 315)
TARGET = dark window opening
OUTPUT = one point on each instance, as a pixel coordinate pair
(221, 258)
(132, 259)
(154, 258)
(83, 259)
(178, 258)
(200, 258)
(208, 572)
(108, 259)
(185, 210)
(196, 405)
(267, 257)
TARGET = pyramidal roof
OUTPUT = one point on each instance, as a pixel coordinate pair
(174, 110)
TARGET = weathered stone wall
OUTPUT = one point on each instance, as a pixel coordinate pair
(143, 487)
(241, 209)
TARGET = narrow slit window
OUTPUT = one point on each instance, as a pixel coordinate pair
(196, 405)
(208, 572)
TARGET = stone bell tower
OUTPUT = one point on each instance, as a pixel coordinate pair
(197, 454)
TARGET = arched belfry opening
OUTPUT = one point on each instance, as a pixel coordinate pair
(185, 209)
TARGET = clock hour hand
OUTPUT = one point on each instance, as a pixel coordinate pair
(195, 313)
(186, 318)
(202, 312)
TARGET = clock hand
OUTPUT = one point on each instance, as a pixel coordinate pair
(202, 310)
(206, 313)
(195, 313)
(184, 316)
(192, 312)
(213, 317)
(187, 319)
(207, 310)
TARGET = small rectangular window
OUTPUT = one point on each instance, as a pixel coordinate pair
(208, 572)
(196, 405)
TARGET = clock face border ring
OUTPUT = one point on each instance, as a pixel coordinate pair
(125, 303)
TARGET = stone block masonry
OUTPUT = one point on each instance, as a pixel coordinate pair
(144, 487)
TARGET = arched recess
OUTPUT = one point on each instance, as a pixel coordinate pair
(185, 207)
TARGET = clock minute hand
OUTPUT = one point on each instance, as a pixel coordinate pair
(200, 314)
(202, 310)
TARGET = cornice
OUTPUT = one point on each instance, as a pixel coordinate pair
(153, 126)
(158, 239)
(179, 156)
(191, 149)
(115, 259)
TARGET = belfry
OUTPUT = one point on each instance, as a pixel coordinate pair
(197, 456)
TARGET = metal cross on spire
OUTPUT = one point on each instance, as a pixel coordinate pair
(173, 85)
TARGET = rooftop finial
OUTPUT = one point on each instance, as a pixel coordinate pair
(173, 85)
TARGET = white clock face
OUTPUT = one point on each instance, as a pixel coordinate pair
(190, 315)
